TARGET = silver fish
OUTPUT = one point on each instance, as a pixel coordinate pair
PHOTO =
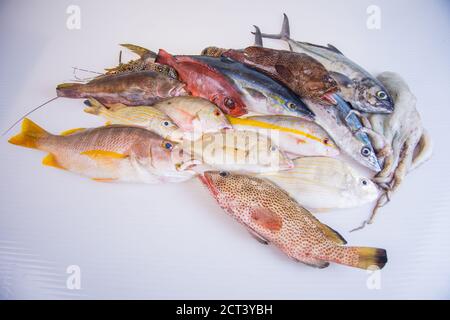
(359, 87)
(344, 128)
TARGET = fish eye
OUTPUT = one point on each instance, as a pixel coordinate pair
(229, 103)
(273, 148)
(167, 145)
(382, 95)
(326, 141)
(291, 105)
(364, 182)
(224, 174)
(365, 151)
(166, 123)
(217, 113)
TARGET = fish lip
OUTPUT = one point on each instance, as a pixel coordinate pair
(205, 178)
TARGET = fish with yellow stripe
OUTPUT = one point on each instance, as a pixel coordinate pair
(110, 153)
(295, 136)
(143, 116)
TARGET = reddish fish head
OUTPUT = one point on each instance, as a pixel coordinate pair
(204, 81)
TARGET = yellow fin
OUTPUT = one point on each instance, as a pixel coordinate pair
(104, 179)
(50, 160)
(108, 123)
(102, 154)
(29, 135)
(140, 51)
(369, 257)
(333, 235)
(70, 131)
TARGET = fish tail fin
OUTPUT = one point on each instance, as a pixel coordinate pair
(140, 51)
(30, 134)
(362, 257)
(285, 33)
(70, 90)
(94, 107)
(258, 37)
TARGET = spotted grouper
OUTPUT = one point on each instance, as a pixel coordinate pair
(272, 216)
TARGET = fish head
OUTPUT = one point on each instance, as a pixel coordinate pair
(371, 96)
(290, 106)
(229, 188)
(367, 155)
(231, 103)
(363, 189)
(211, 120)
(166, 128)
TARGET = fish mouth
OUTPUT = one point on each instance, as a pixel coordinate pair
(205, 178)
(328, 97)
(384, 107)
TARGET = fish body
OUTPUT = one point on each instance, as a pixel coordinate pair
(205, 82)
(194, 116)
(297, 137)
(237, 150)
(131, 88)
(357, 86)
(111, 153)
(147, 117)
(345, 129)
(261, 94)
(146, 61)
(301, 73)
(274, 217)
(325, 183)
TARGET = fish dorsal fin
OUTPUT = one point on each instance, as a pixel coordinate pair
(333, 235)
(71, 131)
(140, 51)
(103, 154)
(333, 48)
(266, 219)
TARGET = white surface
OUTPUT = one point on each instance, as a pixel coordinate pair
(173, 241)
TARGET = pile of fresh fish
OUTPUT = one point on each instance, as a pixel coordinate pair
(271, 133)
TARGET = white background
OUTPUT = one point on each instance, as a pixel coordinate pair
(173, 241)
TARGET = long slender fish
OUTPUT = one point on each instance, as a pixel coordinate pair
(358, 86)
(205, 82)
(111, 153)
(261, 93)
(297, 137)
(346, 130)
(272, 216)
(325, 183)
(131, 88)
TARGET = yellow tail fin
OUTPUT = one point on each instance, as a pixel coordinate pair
(30, 134)
(371, 257)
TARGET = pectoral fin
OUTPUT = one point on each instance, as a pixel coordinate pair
(284, 72)
(258, 237)
(266, 219)
(341, 79)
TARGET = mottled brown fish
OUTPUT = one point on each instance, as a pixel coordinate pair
(130, 88)
(272, 216)
(299, 72)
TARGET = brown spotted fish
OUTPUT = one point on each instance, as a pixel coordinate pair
(301, 73)
(272, 216)
(130, 88)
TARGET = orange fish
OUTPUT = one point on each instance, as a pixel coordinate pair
(272, 216)
(111, 153)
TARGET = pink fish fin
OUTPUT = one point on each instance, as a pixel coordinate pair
(257, 236)
(266, 219)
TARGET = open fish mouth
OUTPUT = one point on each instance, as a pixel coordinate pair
(205, 178)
